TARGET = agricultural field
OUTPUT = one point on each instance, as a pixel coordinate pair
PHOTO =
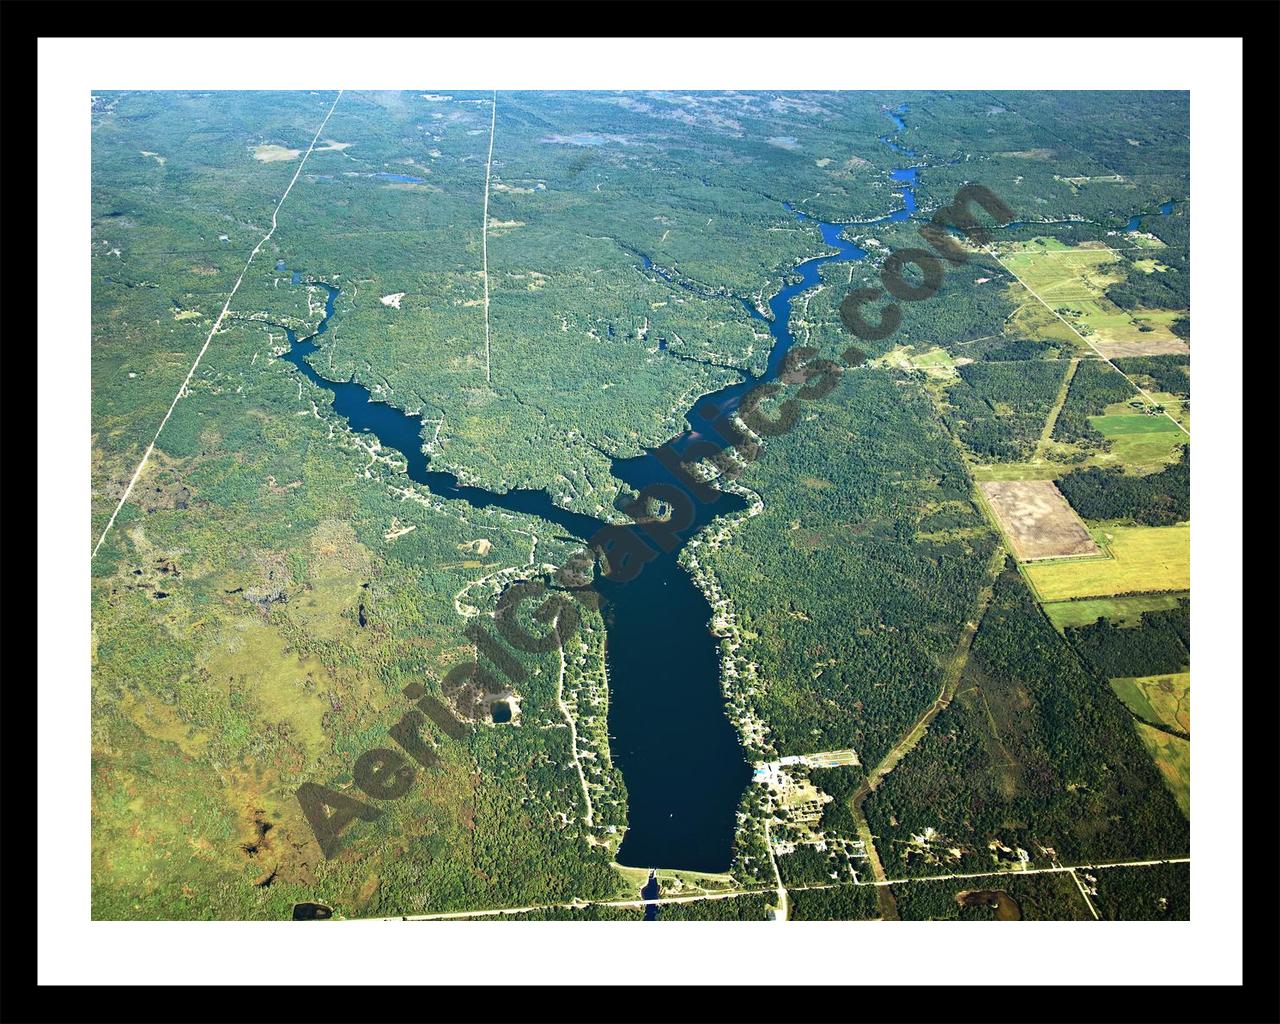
(934, 361)
(1123, 611)
(1139, 436)
(1139, 560)
(1073, 282)
(1172, 756)
(1161, 700)
(1036, 520)
(1101, 421)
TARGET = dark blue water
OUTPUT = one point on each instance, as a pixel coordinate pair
(387, 176)
(1166, 208)
(678, 752)
(403, 433)
(650, 892)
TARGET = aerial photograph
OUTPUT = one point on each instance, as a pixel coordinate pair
(643, 505)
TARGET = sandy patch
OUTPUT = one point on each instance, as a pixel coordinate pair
(270, 153)
(481, 546)
(329, 146)
(393, 300)
(161, 160)
(397, 530)
(824, 162)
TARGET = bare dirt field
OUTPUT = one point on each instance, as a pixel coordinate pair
(1154, 347)
(1037, 519)
(270, 152)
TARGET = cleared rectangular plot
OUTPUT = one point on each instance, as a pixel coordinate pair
(1118, 426)
(1158, 346)
(1121, 611)
(1037, 519)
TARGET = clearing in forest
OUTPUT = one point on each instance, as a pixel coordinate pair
(1173, 757)
(270, 153)
(1160, 700)
(1037, 519)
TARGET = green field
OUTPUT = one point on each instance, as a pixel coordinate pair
(1139, 441)
(1073, 283)
(1117, 426)
(935, 361)
(1173, 757)
(1144, 559)
(1032, 320)
(1123, 611)
(1175, 407)
(1164, 699)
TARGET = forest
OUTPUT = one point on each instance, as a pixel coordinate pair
(1168, 284)
(1160, 643)
(1156, 499)
(1171, 374)
(998, 409)
(837, 903)
(1035, 756)
(753, 907)
(1161, 892)
(845, 491)
(1044, 897)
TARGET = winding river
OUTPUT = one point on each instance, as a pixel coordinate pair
(679, 755)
